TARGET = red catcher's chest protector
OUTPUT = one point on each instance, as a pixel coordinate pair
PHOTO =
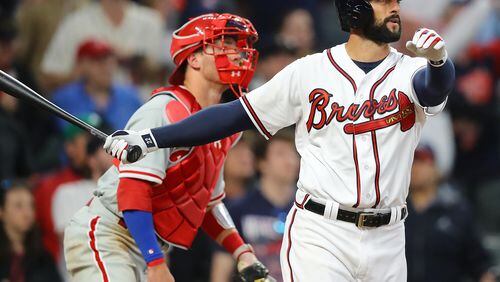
(180, 202)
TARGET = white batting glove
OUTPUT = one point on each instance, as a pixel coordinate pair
(117, 143)
(428, 44)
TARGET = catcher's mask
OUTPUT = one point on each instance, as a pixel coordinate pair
(213, 30)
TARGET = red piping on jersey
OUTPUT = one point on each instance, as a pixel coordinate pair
(141, 172)
(290, 244)
(374, 137)
(255, 117)
(354, 149)
(343, 72)
(100, 264)
(358, 180)
(301, 205)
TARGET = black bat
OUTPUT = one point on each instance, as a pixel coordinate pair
(15, 88)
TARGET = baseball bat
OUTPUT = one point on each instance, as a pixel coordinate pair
(15, 88)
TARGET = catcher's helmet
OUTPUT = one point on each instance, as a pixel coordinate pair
(354, 13)
(211, 30)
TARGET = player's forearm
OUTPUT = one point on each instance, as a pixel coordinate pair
(220, 227)
(433, 84)
(141, 227)
(211, 124)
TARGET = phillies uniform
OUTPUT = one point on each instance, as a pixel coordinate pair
(356, 134)
(98, 246)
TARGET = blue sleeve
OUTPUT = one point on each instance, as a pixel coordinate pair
(206, 126)
(433, 84)
(140, 226)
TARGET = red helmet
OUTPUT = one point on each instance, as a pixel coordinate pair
(203, 31)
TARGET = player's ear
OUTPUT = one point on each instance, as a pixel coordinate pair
(194, 60)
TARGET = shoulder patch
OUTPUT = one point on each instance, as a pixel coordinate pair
(176, 111)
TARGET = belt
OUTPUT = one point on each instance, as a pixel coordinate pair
(361, 219)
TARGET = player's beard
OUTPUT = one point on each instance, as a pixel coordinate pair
(380, 33)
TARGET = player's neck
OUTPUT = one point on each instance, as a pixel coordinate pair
(278, 193)
(207, 93)
(362, 49)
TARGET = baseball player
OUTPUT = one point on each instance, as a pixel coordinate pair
(358, 108)
(141, 208)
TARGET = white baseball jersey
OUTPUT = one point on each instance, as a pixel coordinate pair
(356, 133)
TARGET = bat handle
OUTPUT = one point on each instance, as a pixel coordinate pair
(134, 153)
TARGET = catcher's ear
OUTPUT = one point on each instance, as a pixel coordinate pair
(194, 60)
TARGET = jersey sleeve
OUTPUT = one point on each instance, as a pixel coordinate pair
(276, 104)
(152, 167)
(418, 64)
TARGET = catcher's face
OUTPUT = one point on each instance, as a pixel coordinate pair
(226, 47)
(386, 27)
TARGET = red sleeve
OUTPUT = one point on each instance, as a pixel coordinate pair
(134, 194)
(229, 238)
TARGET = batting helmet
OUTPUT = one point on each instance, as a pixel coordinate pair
(211, 30)
(354, 13)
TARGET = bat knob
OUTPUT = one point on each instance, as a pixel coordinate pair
(134, 153)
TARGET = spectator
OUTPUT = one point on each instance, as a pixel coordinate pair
(52, 206)
(22, 256)
(474, 108)
(260, 215)
(132, 30)
(297, 31)
(441, 241)
(441, 124)
(239, 168)
(95, 90)
(268, 15)
(20, 116)
(37, 21)
(273, 57)
(14, 143)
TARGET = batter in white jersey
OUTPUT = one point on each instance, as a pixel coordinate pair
(359, 109)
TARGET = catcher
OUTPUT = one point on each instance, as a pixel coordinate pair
(141, 209)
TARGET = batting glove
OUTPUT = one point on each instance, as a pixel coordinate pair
(117, 143)
(428, 44)
(256, 272)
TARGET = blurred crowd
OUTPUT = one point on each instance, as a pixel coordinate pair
(100, 59)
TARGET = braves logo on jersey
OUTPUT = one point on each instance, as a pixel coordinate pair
(396, 101)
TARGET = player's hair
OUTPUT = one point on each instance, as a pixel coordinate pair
(261, 145)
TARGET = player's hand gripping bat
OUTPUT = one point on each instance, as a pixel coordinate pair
(15, 88)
